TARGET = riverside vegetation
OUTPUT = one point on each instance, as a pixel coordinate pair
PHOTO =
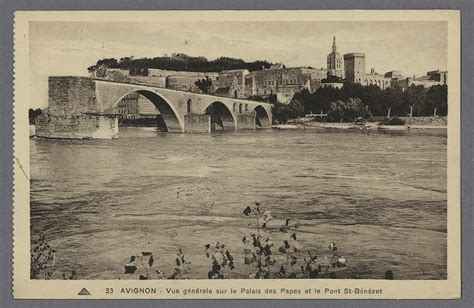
(355, 100)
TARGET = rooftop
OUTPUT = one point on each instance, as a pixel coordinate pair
(354, 54)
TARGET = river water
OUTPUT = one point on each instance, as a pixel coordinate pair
(380, 196)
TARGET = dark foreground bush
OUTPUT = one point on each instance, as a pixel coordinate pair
(393, 121)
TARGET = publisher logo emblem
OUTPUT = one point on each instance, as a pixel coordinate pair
(84, 291)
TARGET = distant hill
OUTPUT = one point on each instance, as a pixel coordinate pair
(179, 62)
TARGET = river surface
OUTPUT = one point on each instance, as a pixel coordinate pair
(381, 197)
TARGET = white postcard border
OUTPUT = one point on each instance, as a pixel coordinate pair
(396, 289)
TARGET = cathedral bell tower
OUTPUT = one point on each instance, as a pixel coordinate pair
(335, 63)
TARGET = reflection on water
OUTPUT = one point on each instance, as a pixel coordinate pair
(380, 196)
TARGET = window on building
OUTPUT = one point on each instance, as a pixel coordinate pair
(234, 107)
(240, 108)
(246, 107)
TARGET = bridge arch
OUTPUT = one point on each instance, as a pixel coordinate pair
(222, 117)
(262, 119)
(171, 121)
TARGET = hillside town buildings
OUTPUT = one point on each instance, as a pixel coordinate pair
(231, 83)
(279, 80)
(283, 82)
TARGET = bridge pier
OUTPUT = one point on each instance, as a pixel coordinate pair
(197, 123)
(84, 126)
(246, 121)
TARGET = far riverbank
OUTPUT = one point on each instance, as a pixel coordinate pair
(415, 123)
(367, 126)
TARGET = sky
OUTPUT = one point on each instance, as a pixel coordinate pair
(68, 48)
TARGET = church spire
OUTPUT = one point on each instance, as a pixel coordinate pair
(334, 44)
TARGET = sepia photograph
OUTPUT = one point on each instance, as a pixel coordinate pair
(199, 149)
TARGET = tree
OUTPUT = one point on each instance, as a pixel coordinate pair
(284, 112)
(182, 62)
(392, 100)
(103, 64)
(336, 110)
(355, 109)
(295, 109)
(414, 97)
(437, 100)
(279, 113)
(347, 111)
(372, 97)
(204, 84)
(101, 71)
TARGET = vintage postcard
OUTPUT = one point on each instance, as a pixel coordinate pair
(237, 154)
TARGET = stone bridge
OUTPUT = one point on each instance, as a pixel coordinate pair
(181, 111)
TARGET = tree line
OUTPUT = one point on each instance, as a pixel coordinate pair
(178, 62)
(354, 100)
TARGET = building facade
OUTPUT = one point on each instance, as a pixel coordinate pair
(231, 83)
(134, 106)
(183, 83)
(376, 79)
(335, 65)
(283, 82)
(439, 76)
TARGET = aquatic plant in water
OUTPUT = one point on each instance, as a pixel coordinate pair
(221, 260)
(143, 263)
(297, 262)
